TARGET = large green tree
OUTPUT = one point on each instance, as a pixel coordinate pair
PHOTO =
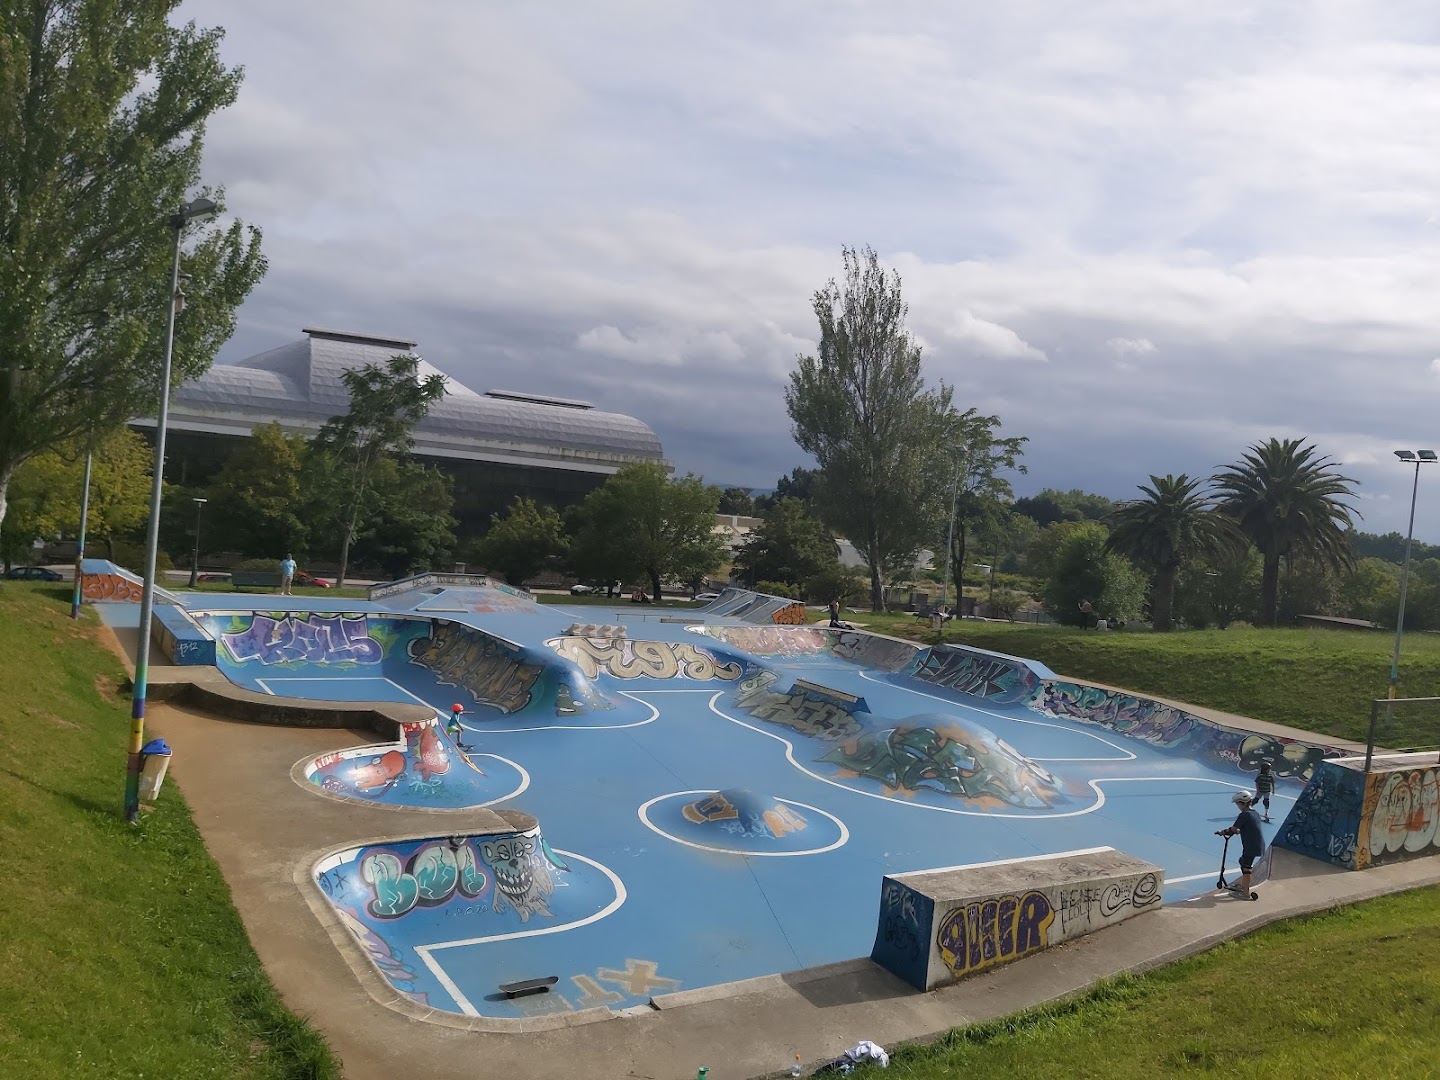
(1171, 525)
(385, 405)
(408, 526)
(103, 108)
(1084, 570)
(979, 490)
(861, 409)
(640, 522)
(790, 546)
(1289, 501)
(522, 541)
(255, 502)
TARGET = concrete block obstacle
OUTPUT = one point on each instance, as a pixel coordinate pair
(940, 926)
(1356, 819)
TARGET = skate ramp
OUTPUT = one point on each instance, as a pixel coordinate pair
(102, 582)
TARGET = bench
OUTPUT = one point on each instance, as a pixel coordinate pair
(255, 579)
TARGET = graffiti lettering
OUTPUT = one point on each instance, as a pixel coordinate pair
(627, 659)
(1329, 807)
(981, 935)
(311, 639)
(432, 876)
(96, 587)
(981, 676)
(771, 640)
(789, 615)
(899, 923)
(805, 711)
(495, 673)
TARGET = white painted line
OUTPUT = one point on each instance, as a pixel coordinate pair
(524, 779)
(483, 728)
(644, 818)
(1126, 755)
(1003, 862)
(261, 683)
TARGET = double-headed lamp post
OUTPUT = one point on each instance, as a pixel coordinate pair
(195, 210)
(195, 554)
(1418, 458)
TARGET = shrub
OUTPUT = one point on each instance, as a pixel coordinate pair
(777, 588)
(132, 557)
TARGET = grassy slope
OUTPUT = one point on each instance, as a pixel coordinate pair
(122, 952)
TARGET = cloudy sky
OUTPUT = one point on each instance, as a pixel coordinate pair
(1146, 233)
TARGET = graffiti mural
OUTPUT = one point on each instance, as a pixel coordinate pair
(521, 866)
(1402, 809)
(420, 763)
(992, 677)
(386, 959)
(435, 873)
(495, 673)
(303, 638)
(110, 587)
(1087, 907)
(771, 640)
(627, 659)
(901, 934)
(1324, 823)
(743, 814)
(989, 932)
(789, 615)
(950, 756)
(805, 708)
(870, 650)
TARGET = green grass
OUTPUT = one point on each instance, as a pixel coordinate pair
(122, 953)
(1317, 680)
(1349, 993)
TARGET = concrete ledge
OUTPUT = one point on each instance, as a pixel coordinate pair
(208, 689)
(940, 926)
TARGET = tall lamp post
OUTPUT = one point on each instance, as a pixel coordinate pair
(80, 540)
(950, 532)
(1418, 457)
(194, 210)
(195, 554)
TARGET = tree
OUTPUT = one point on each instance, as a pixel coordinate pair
(1172, 524)
(736, 501)
(523, 541)
(1218, 589)
(409, 526)
(102, 116)
(46, 493)
(860, 408)
(1084, 570)
(641, 522)
(255, 502)
(385, 405)
(1051, 506)
(1287, 499)
(978, 492)
(790, 546)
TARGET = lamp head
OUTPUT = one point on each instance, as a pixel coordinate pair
(1405, 455)
(199, 500)
(1426, 455)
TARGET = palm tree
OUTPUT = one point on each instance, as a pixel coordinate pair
(1172, 524)
(1287, 499)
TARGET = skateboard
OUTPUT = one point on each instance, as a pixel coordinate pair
(529, 986)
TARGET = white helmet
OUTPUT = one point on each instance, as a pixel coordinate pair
(1242, 798)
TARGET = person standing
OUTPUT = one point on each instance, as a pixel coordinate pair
(835, 614)
(1252, 840)
(1087, 614)
(1264, 787)
(287, 575)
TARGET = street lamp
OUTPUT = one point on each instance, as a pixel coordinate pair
(80, 540)
(950, 532)
(195, 210)
(1418, 457)
(195, 555)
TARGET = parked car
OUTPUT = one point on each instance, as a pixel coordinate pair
(33, 573)
(581, 590)
(303, 578)
(213, 577)
(706, 598)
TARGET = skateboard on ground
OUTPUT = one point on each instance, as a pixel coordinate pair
(529, 986)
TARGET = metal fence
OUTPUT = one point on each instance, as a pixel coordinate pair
(1400, 726)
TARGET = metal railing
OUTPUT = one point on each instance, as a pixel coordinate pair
(1388, 705)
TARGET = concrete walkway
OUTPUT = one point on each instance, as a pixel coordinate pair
(261, 828)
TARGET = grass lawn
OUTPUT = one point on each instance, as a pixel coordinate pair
(349, 592)
(1349, 993)
(1318, 680)
(123, 955)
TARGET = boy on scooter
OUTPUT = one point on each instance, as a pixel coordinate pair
(1252, 840)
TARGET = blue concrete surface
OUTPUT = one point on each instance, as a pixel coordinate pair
(707, 813)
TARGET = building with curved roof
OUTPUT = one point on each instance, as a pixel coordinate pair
(496, 445)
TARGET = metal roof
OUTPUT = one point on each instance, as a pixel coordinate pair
(300, 386)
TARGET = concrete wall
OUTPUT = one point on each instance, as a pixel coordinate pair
(940, 926)
(1356, 820)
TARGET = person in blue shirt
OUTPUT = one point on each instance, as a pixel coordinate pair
(287, 574)
(1252, 840)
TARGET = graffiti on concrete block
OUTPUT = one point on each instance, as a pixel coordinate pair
(495, 673)
(1088, 907)
(991, 677)
(626, 659)
(808, 711)
(988, 932)
(950, 756)
(112, 587)
(789, 615)
(1325, 820)
(1403, 814)
(309, 638)
(899, 921)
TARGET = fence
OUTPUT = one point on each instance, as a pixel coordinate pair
(1402, 726)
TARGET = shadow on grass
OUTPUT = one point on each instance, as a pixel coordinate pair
(78, 801)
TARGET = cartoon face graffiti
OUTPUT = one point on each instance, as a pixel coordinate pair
(379, 773)
(522, 879)
(431, 758)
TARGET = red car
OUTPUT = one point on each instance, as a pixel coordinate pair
(302, 578)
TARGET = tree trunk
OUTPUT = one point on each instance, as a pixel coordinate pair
(655, 585)
(1270, 590)
(877, 594)
(1162, 600)
(344, 556)
(5, 475)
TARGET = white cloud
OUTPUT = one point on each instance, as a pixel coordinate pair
(990, 338)
(1127, 347)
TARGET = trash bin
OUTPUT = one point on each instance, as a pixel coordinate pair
(154, 760)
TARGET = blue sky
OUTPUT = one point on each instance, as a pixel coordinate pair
(1144, 233)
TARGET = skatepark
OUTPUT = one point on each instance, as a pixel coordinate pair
(664, 812)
